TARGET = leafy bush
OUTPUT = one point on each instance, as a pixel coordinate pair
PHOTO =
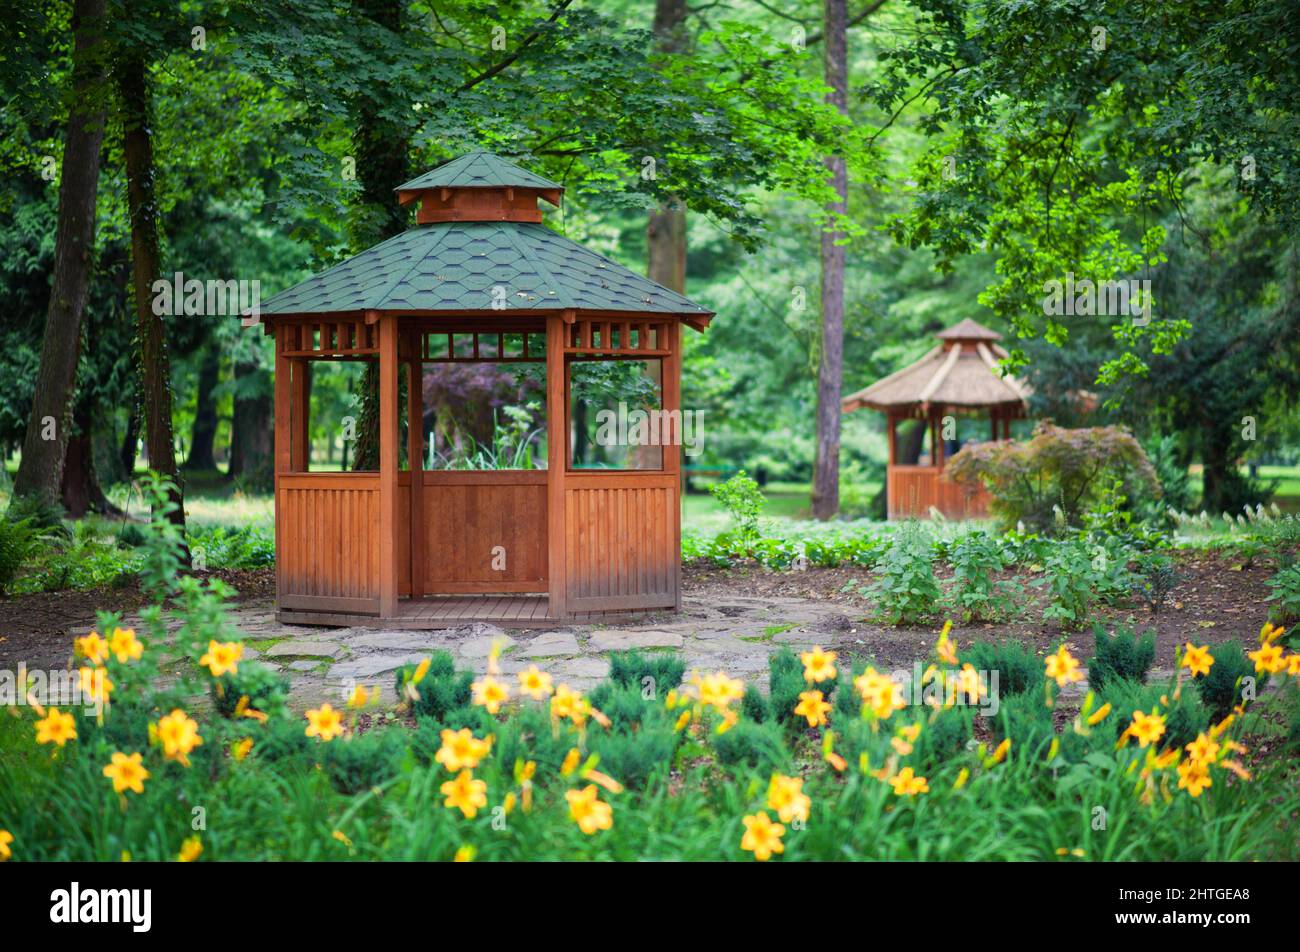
(20, 542)
(364, 762)
(1154, 580)
(744, 502)
(266, 690)
(1027, 721)
(1056, 468)
(785, 684)
(635, 755)
(1071, 581)
(975, 558)
(1285, 585)
(632, 669)
(906, 591)
(1019, 669)
(442, 690)
(1221, 689)
(246, 547)
(749, 744)
(754, 705)
(1122, 655)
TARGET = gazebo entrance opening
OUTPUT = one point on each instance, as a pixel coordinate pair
(593, 527)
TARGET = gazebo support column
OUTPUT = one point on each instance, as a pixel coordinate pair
(672, 458)
(556, 463)
(283, 402)
(300, 417)
(415, 461)
(388, 436)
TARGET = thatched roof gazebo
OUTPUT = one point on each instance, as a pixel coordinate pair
(478, 279)
(958, 376)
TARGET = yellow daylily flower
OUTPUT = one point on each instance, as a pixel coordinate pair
(908, 784)
(95, 684)
(461, 750)
(813, 707)
(465, 794)
(127, 773)
(1197, 660)
(179, 735)
(1099, 715)
(1063, 667)
(56, 728)
(1194, 776)
(490, 693)
(1268, 659)
(125, 646)
(944, 648)
(1147, 728)
(1203, 750)
(818, 665)
(222, 657)
(535, 683)
(6, 838)
(324, 722)
(465, 854)
(762, 836)
(785, 795)
(191, 849)
(93, 648)
(241, 748)
(590, 813)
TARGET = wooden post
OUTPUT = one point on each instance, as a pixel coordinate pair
(388, 435)
(891, 435)
(672, 463)
(300, 416)
(993, 420)
(557, 462)
(415, 462)
(283, 400)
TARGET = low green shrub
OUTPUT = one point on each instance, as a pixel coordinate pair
(1285, 597)
(657, 673)
(21, 541)
(905, 591)
(1018, 668)
(1221, 689)
(760, 746)
(977, 594)
(1070, 580)
(1121, 655)
(364, 762)
(442, 690)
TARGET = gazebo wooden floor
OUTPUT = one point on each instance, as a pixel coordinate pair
(450, 611)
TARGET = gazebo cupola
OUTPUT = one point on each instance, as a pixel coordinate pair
(478, 186)
(478, 279)
(959, 376)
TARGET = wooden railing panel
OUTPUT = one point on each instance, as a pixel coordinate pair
(620, 547)
(328, 545)
(911, 490)
(465, 516)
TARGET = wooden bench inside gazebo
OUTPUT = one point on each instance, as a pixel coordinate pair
(958, 377)
(479, 278)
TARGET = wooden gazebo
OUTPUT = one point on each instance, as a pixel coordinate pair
(958, 377)
(479, 278)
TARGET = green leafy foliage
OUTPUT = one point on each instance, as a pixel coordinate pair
(1058, 469)
(651, 674)
(1222, 688)
(977, 593)
(905, 590)
(442, 691)
(744, 502)
(1123, 654)
(20, 542)
(1018, 668)
(1285, 594)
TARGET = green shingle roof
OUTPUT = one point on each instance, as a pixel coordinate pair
(478, 170)
(453, 266)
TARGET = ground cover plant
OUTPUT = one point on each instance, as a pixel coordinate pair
(835, 761)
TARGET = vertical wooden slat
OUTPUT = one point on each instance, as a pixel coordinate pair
(282, 406)
(415, 463)
(388, 434)
(672, 460)
(557, 461)
(300, 416)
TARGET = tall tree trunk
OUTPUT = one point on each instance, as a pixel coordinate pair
(81, 489)
(203, 435)
(830, 374)
(380, 146)
(142, 208)
(252, 431)
(40, 473)
(666, 229)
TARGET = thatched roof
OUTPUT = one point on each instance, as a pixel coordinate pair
(960, 372)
